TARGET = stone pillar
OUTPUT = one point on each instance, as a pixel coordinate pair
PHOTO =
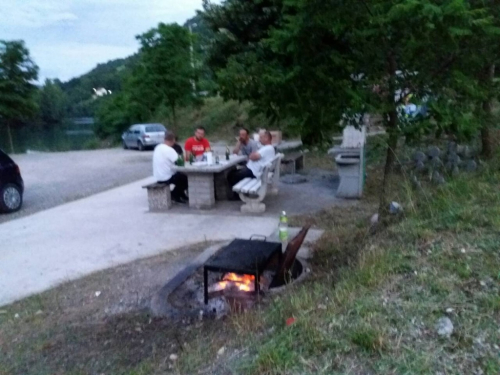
(159, 199)
(201, 190)
(223, 191)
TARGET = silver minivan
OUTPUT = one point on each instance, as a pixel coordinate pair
(142, 136)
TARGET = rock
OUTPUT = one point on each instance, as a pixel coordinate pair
(415, 182)
(455, 171)
(452, 147)
(374, 219)
(449, 310)
(419, 156)
(16, 316)
(437, 178)
(464, 151)
(39, 312)
(471, 166)
(420, 166)
(322, 307)
(454, 158)
(97, 294)
(395, 208)
(437, 163)
(221, 351)
(173, 357)
(434, 152)
(444, 327)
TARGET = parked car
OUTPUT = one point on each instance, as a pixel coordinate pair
(142, 136)
(11, 185)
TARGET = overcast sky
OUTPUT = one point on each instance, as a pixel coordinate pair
(67, 38)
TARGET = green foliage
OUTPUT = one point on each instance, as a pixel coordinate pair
(164, 74)
(163, 77)
(52, 104)
(17, 91)
(110, 75)
(112, 116)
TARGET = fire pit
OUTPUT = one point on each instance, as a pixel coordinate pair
(243, 262)
(230, 279)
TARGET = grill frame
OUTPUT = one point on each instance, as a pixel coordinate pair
(243, 257)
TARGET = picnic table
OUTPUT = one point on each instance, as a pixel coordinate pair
(208, 183)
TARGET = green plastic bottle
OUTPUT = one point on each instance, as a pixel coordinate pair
(283, 227)
(180, 161)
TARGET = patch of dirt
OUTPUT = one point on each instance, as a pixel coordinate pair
(95, 324)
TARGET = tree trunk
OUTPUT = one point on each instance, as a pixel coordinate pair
(392, 143)
(11, 141)
(486, 140)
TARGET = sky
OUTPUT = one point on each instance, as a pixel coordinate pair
(67, 38)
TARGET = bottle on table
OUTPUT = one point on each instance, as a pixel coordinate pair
(191, 159)
(283, 228)
(180, 161)
(217, 160)
(227, 153)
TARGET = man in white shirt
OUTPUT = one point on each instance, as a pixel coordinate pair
(164, 159)
(257, 163)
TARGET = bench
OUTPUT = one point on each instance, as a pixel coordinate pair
(252, 191)
(159, 197)
(292, 163)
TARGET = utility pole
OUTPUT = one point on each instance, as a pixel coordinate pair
(192, 57)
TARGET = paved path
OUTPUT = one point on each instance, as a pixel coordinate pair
(38, 252)
(56, 178)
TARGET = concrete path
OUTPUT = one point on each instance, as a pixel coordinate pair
(55, 178)
(67, 242)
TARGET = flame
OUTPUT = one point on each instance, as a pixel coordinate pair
(244, 283)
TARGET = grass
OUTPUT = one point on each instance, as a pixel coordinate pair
(369, 307)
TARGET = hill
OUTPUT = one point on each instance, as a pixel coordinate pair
(111, 75)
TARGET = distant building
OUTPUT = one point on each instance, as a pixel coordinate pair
(101, 91)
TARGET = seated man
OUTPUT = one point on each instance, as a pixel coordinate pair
(177, 147)
(257, 163)
(197, 145)
(245, 146)
(164, 159)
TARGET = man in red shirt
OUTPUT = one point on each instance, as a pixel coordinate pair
(198, 144)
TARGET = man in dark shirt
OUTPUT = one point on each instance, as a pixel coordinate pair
(177, 147)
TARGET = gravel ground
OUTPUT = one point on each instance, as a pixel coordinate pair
(55, 178)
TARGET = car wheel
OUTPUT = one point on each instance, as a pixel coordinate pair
(11, 198)
(140, 146)
(125, 147)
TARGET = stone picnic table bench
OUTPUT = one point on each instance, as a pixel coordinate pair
(208, 183)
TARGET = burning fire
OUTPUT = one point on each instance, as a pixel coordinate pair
(244, 283)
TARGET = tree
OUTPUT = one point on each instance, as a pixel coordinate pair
(17, 90)
(112, 115)
(402, 46)
(164, 74)
(52, 104)
(487, 62)
(316, 60)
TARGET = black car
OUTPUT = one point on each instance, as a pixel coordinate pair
(11, 185)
